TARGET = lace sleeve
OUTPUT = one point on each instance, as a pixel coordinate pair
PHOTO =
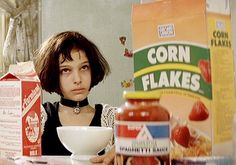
(43, 118)
(107, 120)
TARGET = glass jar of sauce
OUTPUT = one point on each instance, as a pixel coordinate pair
(142, 130)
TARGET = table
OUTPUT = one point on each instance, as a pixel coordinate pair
(45, 160)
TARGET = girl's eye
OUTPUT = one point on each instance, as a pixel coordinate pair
(65, 70)
(85, 67)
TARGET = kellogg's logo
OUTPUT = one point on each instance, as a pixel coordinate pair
(220, 25)
(167, 30)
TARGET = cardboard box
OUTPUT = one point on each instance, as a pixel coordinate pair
(183, 49)
(20, 115)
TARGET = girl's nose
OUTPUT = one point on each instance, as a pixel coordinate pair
(76, 78)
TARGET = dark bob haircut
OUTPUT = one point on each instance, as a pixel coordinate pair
(47, 59)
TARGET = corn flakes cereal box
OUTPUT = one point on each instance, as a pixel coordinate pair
(183, 50)
(20, 102)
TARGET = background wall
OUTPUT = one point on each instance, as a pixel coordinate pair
(102, 21)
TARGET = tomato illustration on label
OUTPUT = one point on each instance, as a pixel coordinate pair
(205, 68)
(199, 112)
(181, 135)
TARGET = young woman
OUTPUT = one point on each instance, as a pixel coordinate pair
(71, 65)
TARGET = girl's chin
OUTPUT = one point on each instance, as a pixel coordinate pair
(79, 98)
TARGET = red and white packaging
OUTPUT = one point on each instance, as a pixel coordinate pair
(20, 121)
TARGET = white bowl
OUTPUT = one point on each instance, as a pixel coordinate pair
(84, 141)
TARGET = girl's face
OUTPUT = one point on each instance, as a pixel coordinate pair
(75, 76)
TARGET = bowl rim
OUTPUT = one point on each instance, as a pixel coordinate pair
(94, 128)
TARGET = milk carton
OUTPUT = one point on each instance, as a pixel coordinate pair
(20, 123)
(183, 50)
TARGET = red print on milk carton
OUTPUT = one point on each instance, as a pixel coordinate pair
(20, 98)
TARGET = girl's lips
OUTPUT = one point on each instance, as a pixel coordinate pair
(80, 90)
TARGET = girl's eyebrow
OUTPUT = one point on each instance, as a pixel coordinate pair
(67, 65)
(63, 65)
(85, 62)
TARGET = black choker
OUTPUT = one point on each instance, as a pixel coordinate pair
(74, 104)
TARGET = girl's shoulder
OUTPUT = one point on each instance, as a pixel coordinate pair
(108, 115)
(107, 120)
(48, 111)
(50, 108)
(108, 109)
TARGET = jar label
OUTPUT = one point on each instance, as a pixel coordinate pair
(142, 138)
